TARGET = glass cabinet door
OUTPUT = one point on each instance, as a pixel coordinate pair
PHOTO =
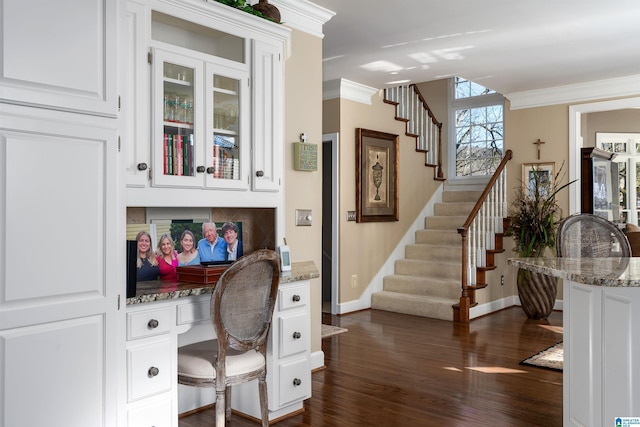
(177, 159)
(226, 120)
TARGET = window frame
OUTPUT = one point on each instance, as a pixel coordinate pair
(480, 101)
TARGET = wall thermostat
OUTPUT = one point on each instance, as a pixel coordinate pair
(285, 258)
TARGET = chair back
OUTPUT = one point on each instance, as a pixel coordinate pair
(243, 300)
(590, 236)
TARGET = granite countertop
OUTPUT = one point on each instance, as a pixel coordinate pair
(620, 272)
(162, 291)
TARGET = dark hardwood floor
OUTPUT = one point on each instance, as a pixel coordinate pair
(398, 370)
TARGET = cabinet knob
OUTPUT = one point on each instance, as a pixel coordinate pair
(153, 323)
(142, 166)
(211, 170)
(297, 382)
(200, 169)
(297, 335)
(259, 174)
(153, 371)
(296, 298)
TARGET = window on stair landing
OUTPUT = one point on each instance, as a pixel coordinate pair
(476, 129)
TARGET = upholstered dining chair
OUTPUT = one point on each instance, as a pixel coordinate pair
(242, 306)
(590, 236)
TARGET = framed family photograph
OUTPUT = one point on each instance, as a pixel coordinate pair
(540, 174)
(376, 176)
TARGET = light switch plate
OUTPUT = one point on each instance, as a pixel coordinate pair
(303, 216)
(351, 215)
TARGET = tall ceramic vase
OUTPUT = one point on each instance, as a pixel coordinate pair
(537, 293)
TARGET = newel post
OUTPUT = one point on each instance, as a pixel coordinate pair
(463, 312)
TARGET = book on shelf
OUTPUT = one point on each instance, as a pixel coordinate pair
(179, 158)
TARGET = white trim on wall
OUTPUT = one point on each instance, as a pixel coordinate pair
(580, 92)
(575, 139)
(346, 89)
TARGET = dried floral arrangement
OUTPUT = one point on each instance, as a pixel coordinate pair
(534, 214)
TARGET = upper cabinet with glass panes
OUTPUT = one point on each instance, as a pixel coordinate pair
(215, 100)
(200, 106)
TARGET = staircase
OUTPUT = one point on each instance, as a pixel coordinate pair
(442, 271)
(427, 281)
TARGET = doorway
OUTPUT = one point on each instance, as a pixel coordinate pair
(330, 223)
(576, 140)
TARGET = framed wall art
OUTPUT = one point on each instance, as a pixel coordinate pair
(537, 173)
(376, 176)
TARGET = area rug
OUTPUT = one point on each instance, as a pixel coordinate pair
(330, 330)
(549, 358)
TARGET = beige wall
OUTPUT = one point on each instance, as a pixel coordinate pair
(303, 113)
(364, 247)
(619, 121)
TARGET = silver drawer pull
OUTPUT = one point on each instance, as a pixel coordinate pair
(297, 335)
(153, 323)
(296, 298)
(153, 371)
(297, 382)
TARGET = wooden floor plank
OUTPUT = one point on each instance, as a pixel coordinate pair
(398, 370)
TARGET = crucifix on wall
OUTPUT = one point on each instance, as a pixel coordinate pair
(538, 143)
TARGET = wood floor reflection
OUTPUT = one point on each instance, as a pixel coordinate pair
(399, 370)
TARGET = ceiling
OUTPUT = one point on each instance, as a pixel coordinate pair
(506, 45)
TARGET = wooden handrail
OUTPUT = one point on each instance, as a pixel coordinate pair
(508, 155)
(439, 172)
(425, 105)
(462, 313)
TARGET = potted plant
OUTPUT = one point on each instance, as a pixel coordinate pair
(533, 224)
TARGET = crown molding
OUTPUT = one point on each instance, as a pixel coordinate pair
(346, 89)
(579, 92)
(303, 15)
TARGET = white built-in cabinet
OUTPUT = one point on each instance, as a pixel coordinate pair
(601, 351)
(61, 214)
(204, 106)
(156, 329)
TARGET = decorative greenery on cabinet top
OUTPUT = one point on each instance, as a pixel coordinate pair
(243, 6)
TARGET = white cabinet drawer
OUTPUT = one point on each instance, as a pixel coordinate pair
(157, 414)
(147, 323)
(294, 296)
(193, 312)
(295, 381)
(294, 333)
(149, 370)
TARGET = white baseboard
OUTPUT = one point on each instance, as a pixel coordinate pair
(317, 360)
(510, 301)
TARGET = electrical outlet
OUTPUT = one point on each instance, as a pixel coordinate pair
(502, 280)
(354, 281)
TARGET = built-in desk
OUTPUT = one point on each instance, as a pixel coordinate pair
(162, 317)
(601, 325)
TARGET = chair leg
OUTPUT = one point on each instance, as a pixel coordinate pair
(228, 400)
(264, 407)
(220, 408)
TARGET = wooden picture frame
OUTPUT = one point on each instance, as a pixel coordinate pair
(546, 173)
(376, 176)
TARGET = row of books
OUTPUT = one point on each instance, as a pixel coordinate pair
(179, 157)
(178, 154)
